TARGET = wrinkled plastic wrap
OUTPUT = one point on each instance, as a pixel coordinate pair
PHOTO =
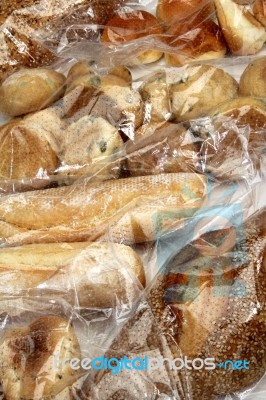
(132, 201)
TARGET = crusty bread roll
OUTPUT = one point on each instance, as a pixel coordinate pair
(235, 147)
(24, 152)
(29, 90)
(91, 146)
(85, 274)
(197, 92)
(127, 26)
(27, 366)
(200, 307)
(243, 33)
(155, 94)
(252, 81)
(193, 41)
(170, 148)
(172, 11)
(123, 210)
(259, 10)
(109, 96)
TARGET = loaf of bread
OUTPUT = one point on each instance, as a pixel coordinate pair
(170, 148)
(173, 11)
(252, 82)
(199, 89)
(85, 274)
(124, 210)
(30, 90)
(244, 34)
(127, 26)
(27, 363)
(200, 307)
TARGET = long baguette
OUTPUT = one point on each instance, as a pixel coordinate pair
(85, 274)
(124, 210)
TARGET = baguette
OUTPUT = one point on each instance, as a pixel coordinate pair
(124, 210)
(225, 325)
(86, 274)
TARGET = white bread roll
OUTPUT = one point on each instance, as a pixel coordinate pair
(124, 210)
(85, 274)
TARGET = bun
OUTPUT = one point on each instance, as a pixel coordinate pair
(123, 210)
(252, 82)
(95, 152)
(29, 90)
(155, 94)
(196, 92)
(128, 26)
(25, 153)
(172, 11)
(221, 318)
(86, 274)
(29, 351)
(259, 10)
(169, 148)
(243, 33)
(194, 41)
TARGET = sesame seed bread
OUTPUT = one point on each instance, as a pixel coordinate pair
(123, 210)
(85, 274)
(26, 359)
(224, 319)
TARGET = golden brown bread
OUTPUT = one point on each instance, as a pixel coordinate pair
(259, 10)
(243, 33)
(196, 91)
(168, 148)
(172, 11)
(24, 152)
(128, 26)
(124, 210)
(252, 82)
(27, 366)
(30, 90)
(200, 307)
(194, 41)
(85, 274)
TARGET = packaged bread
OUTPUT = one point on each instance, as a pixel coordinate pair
(252, 82)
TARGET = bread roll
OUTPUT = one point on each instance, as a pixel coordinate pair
(128, 26)
(252, 81)
(172, 11)
(24, 152)
(27, 366)
(259, 10)
(194, 41)
(197, 92)
(124, 210)
(197, 311)
(85, 274)
(169, 149)
(243, 33)
(29, 90)
(155, 93)
(91, 146)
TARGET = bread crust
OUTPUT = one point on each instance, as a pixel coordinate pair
(259, 10)
(171, 11)
(252, 82)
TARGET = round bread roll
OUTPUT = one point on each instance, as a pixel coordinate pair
(155, 94)
(253, 82)
(128, 26)
(194, 41)
(259, 10)
(24, 153)
(199, 89)
(236, 144)
(170, 148)
(30, 90)
(91, 146)
(78, 69)
(171, 11)
(28, 359)
(110, 97)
